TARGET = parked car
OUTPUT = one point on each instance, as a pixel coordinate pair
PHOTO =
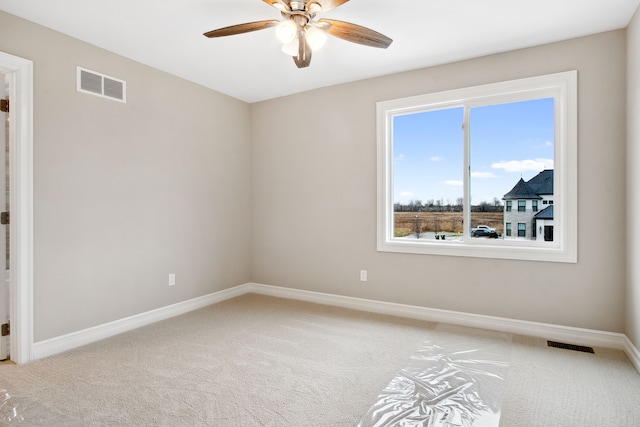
(483, 227)
(485, 232)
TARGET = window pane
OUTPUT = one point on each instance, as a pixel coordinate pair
(511, 145)
(428, 152)
(522, 229)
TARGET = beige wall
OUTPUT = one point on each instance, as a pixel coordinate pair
(125, 194)
(633, 159)
(314, 196)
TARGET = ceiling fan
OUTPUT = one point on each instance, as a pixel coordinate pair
(301, 33)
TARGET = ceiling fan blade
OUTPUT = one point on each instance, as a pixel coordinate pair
(356, 33)
(242, 28)
(278, 4)
(329, 4)
(303, 59)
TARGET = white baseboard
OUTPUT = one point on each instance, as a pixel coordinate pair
(73, 340)
(633, 353)
(552, 332)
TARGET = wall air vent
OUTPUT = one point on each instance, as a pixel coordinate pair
(101, 85)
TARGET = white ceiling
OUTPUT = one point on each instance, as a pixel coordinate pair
(167, 34)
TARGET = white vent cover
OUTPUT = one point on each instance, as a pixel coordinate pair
(101, 85)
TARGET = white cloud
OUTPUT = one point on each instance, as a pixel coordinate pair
(435, 158)
(454, 183)
(406, 194)
(399, 157)
(524, 165)
(482, 175)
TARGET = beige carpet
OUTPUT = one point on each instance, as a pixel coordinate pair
(562, 388)
(261, 361)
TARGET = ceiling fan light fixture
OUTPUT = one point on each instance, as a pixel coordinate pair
(316, 38)
(279, 6)
(291, 49)
(314, 8)
(286, 31)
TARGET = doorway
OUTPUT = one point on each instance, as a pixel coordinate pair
(17, 82)
(548, 233)
(5, 274)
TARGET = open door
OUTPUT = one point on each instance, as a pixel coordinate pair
(18, 77)
(5, 292)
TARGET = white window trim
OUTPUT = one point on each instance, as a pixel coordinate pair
(563, 86)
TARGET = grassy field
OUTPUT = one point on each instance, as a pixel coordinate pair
(405, 222)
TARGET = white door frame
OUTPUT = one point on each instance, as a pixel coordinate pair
(20, 72)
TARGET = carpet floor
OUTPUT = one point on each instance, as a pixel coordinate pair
(263, 361)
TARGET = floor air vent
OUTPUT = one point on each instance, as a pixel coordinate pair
(582, 348)
(101, 85)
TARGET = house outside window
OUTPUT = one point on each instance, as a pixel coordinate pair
(508, 229)
(540, 187)
(508, 206)
(522, 205)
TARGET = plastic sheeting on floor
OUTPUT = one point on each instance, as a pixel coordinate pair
(456, 379)
(27, 411)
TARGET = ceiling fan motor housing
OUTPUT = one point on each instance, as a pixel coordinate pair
(303, 6)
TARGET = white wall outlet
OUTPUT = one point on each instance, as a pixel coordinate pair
(172, 279)
(363, 275)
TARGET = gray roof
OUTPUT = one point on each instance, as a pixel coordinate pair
(543, 182)
(532, 189)
(546, 213)
(522, 190)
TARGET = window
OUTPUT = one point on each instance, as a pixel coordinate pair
(522, 205)
(534, 205)
(447, 160)
(522, 229)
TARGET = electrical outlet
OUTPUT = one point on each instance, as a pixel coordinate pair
(363, 275)
(172, 279)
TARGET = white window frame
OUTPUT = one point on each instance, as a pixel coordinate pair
(563, 88)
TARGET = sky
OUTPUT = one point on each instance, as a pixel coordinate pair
(508, 141)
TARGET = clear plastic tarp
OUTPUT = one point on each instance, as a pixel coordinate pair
(456, 379)
(23, 410)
